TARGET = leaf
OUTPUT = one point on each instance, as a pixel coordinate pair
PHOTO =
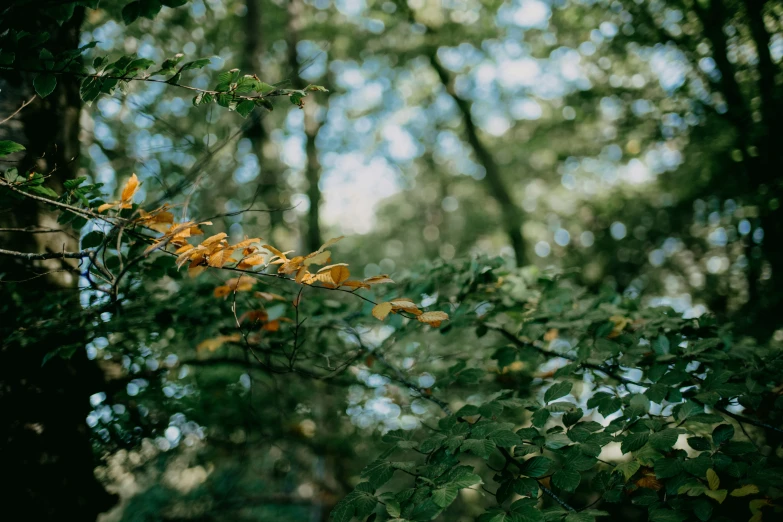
(722, 433)
(566, 479)
(377, 280)
(443, 497)
(634, 441)
(628, 469)
(433, 318)
(244, 108)
(130, 188)
(329, 242)
(381, 310)
(744, 491)
(44, 84)
(557, 390)
(719, 495)
(536, 467)
(317, 258)
(9, 147)
(712, 479)
(481, 447)
(505, 438)
(340, 274)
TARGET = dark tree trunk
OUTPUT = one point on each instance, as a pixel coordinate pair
(45, 446)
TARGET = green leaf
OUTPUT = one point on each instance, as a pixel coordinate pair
(44, 84)
(195, 64)
(481, 447)
(566, 479)
(93, 239)
(628, 469)
(699, 443)
(665, 439)
(722, 433)
(9, 147)
(131, 12)
(667, 468)
(378, 473)
(443, 497)
(536, 467)
(718, 495)
(557, 390)
(505, 438)
(634, 441)
(244, 108)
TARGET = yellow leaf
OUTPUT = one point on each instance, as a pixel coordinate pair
(301, 274)
(404, 304)
(195, 270)
(275, 251)
(719, 495)
(184, 248)
(317, 258)
(712, 479)
(339, 274)
(744, 491)
(216, 342)
(221, 291)
(329, 267)
(270, 296)
(433, 318)
(356, 284)
(213, 239)
(106, 206)
(247, 242)
(377, 280)
(330, 243)
(242, 283)
(220, 257)
(380, 311)
(251, 260)
(130, 188)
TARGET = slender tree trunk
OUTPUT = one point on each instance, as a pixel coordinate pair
(311, 127)
(252, 63)
(512, 214)
(44, 440)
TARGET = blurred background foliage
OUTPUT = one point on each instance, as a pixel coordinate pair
(632, 144)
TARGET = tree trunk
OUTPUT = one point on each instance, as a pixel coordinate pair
(313, 239)
(256, 132)
(44, 440)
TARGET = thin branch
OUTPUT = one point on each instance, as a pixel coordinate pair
(17, 111)
(48, 255)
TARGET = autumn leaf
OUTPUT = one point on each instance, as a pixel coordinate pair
(130, 188)
(211, 240)
(356, 284)
(405, 304)
(126, 197)
(270, 296)
(317, 258)
(377, 280)
(339, 274)
(620, 323)
(380, 311)
(330, 243)
(216, 342)
(251, 261)
(242, 283)
(221, 291)
(433, 318)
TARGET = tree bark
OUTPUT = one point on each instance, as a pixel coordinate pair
(312, 125)
(45, 443)
(252, 63)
